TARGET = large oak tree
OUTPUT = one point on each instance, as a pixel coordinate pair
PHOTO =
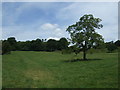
(83, 34)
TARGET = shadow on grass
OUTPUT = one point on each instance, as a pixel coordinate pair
(77, 60)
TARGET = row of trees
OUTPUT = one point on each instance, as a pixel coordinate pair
(51, 45)
(35, 45)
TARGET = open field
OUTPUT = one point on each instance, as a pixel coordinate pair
(28, 69)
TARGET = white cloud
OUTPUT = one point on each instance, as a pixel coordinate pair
(52, 30)
(48, 26)
(45, 31)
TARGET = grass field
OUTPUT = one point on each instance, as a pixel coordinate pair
(28, 69)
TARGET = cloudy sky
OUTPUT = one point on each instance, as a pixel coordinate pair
(45, 20)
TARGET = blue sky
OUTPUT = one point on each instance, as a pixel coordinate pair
(32, 20)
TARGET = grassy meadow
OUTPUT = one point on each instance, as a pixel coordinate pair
(29, 69)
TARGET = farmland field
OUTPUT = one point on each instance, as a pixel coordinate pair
(29, 69)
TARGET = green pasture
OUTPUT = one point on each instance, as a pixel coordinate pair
(29, 69)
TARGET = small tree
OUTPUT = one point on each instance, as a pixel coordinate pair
(83, 34)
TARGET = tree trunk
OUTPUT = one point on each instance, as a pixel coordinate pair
(84, 55)
(84, 51)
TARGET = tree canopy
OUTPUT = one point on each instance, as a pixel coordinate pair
(83, 34)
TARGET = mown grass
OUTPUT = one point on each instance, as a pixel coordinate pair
(28, 69)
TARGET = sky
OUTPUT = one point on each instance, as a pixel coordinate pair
(46, 20)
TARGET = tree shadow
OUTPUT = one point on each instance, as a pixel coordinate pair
(77, 60)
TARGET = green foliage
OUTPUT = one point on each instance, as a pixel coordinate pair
(83, 34)
(100, 45)
(38, 44)
(117, 43)
(13, 43)
(74, 49)
(6, 47)
(63, 44)
(23, 69)
(111, 46)
(0, 47)
(51, 45)
(9, 45)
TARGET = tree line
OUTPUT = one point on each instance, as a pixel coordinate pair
(11, 44)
